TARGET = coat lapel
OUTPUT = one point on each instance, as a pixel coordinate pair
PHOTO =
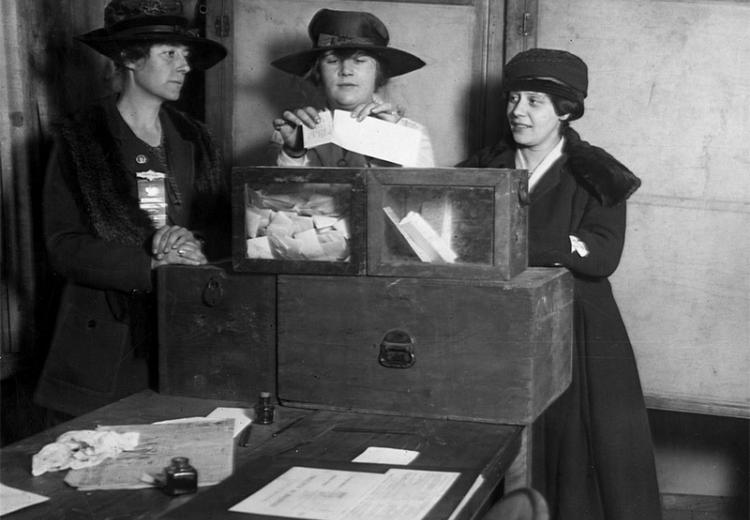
(549, 180)
(181, 153)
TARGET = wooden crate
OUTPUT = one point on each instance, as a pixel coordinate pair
(461, 349)
(217, 332)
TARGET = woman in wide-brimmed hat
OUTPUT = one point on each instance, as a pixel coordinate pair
(349, 61)
(599, 459)
(133, 184)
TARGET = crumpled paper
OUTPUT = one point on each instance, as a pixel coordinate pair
(82, 448)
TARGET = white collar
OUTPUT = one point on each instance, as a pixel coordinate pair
(543, 166)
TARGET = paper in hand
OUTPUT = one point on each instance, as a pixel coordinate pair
(371, 137)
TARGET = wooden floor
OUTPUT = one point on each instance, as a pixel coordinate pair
(692, 507)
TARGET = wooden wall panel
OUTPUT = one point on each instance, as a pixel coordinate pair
(44, 75)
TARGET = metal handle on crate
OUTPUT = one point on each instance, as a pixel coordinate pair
(397, 350)
(213, 293)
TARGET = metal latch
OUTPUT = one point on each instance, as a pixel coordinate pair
(213, 292)
(397, 350)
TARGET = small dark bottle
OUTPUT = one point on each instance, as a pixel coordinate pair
(264, 409)
(180, 477)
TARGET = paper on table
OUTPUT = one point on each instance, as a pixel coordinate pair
(12, 499)
(206, 442)
(404, 494)
(242, 417)
(393, 456)
(372, 137)
(324, 494)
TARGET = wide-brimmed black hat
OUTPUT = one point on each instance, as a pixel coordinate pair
(356, 30)
(128, 22)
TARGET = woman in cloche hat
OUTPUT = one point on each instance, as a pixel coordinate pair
(349, 61)
(132, 184)
(599, 461)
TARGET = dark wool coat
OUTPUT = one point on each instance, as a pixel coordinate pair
(99, 239)
(598, 451)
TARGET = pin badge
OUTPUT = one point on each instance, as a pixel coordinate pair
(141, 159)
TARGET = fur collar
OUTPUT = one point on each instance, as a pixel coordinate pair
(608, 179)
(103, 186)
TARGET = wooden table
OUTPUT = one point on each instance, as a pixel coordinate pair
(297, 437)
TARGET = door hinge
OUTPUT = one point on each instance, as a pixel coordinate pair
(527, 24)
(222, 26)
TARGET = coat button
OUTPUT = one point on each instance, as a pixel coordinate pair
(91, 324)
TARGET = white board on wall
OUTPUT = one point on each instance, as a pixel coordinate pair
(670, 97)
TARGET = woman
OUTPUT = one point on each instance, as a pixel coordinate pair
(598, 451)
(133, 184)
(350, 61)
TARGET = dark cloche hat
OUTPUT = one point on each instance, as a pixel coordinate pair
(128, 22)
(331, 30)
(551, 71)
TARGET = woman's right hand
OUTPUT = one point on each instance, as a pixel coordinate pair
(188, 253)
(176, 245)
(288, 126)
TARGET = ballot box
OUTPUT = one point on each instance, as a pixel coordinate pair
(298, 220)
(437, 222)
(447, 223)
(389, 290)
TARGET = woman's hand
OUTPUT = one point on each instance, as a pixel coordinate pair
(176, 245)
(380, 109)
(288, 126)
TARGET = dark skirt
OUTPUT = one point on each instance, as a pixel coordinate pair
(598, 450)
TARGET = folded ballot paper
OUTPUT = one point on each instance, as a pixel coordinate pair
(372, 137)
(423, 240)
(297, 226)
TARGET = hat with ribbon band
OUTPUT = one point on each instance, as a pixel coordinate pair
(129, 22)
(355, 30)
(552, 71)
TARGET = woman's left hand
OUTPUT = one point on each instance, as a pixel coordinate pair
(380, 109)
(178, 240)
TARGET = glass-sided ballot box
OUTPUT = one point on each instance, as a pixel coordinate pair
(447, 223)
(294, 220)
(438, 223)
(397, 290)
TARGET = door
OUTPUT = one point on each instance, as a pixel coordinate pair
(455, 95)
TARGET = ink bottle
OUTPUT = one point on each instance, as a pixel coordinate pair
(180, 477)
(264, 409)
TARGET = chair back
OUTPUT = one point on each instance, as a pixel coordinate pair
(519, 504)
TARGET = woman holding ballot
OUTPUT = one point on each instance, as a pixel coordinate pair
(350, 61)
